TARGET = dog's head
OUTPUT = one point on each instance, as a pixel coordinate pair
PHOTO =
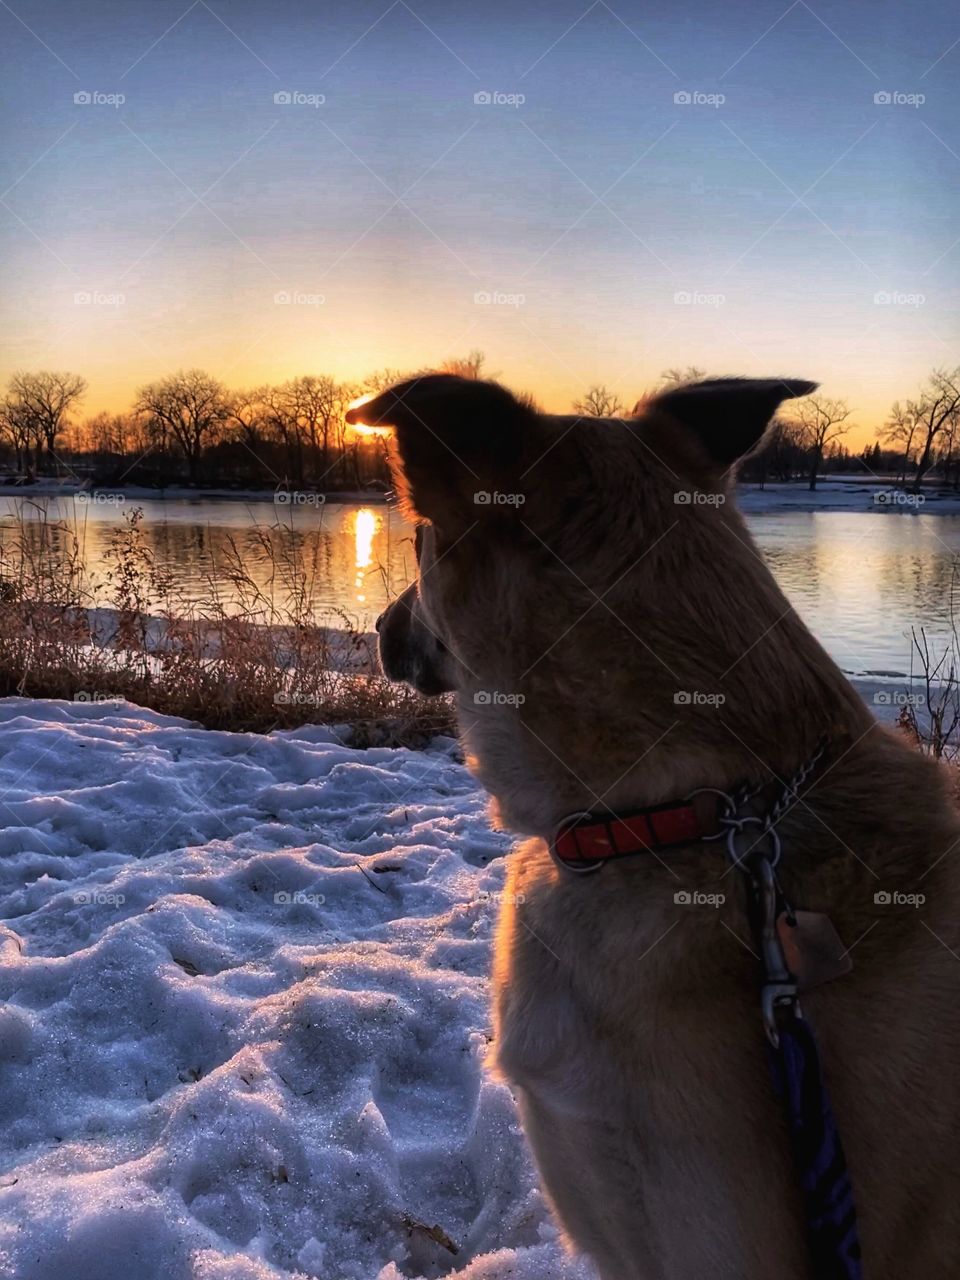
(583, 583)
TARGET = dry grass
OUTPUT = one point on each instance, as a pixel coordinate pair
(258, 667)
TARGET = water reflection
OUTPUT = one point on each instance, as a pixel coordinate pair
(860, 580)
(365, 525)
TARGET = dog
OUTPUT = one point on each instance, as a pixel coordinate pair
(614, 641)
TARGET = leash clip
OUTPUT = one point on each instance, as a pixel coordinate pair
(779, 992)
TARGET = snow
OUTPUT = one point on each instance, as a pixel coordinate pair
(247, 1010)
(853, 492)
(846, 494)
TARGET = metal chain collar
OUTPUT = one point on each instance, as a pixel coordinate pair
(761, 829)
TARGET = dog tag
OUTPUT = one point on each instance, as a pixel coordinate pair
(812, 948)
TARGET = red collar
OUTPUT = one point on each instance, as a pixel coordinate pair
(585, 841)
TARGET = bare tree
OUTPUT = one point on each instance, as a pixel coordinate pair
(948, 457)
(899, 430)
(670, 378)
(38, 403)
(468, 366)
(16, 428)
(599, 402)
(189, 407)
(105, 433)
(938, 406)
(681, 377)
(821, 422)
(314, 404)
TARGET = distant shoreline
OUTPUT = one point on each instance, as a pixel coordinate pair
(833, 494)
(181, 493)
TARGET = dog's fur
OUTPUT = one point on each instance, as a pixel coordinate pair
(629, 1024)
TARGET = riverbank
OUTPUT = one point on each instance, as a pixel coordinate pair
(847, 494)
(833, 493)
(280, 495)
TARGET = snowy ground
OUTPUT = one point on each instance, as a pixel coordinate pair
(247, 1010)
(833, 493)
(846, 493)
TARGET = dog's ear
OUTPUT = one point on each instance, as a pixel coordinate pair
(456, 441)
(728, 416)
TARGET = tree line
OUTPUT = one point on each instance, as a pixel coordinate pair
(189, 428)
(919, 440)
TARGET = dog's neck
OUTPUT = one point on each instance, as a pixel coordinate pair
(768, 728)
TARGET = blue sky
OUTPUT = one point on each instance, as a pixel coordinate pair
(599, 230)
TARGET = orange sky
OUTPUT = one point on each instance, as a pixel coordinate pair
(268, 195)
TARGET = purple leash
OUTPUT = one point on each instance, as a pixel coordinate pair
(831, 1215)
(817, 1152)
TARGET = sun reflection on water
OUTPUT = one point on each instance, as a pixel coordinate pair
(365, 525)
